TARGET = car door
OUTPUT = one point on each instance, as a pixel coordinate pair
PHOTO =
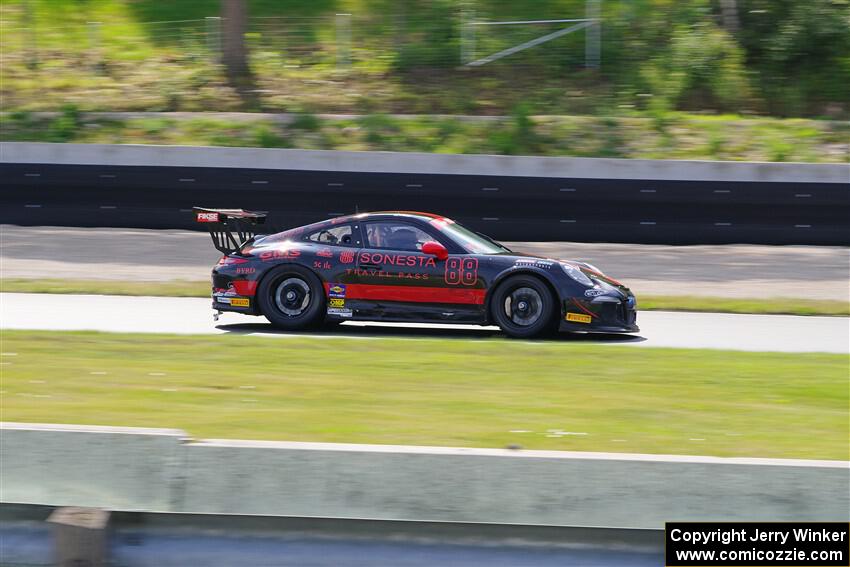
(396, 281)
(331, 251)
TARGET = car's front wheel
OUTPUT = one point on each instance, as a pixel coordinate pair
(524, 307)
(292, 298)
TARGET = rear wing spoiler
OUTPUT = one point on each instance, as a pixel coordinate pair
(230, 229)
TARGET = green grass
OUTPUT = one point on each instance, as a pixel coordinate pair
(172, 288)
(487, 393)
(179, 288)
(773, 306)
(689, 136)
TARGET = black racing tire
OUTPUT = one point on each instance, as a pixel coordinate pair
(292, 298)
(524, 307)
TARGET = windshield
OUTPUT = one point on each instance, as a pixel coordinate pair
(471, 241)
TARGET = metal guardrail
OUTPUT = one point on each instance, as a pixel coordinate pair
(510, 198)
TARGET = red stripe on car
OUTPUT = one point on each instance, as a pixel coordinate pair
(583, 308)
(413, 294)
(244, 287)
(604, 277)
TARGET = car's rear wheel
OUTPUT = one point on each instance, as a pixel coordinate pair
(524, 307)
(292, 298)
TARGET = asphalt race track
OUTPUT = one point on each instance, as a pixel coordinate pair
(783, 333)
(812, 272)
(30, 544)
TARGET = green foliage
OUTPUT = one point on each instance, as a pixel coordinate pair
(64, 128)
(520, 138)
(430, 36)
(21, 116)
(703, 67)
(779, 150)
(788, 57)
(612, 141)
(379, 128)
(266, 137)
(801, 51)
(656, 135)
(306, 121)
(716, 143)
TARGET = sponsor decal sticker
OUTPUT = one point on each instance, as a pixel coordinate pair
(336, 302)
(340, 312)
(246, 270)
(383, 274)
(325, 253)
(319, 265)
(346, 256)
(578, 318)
(242, 287)
(207, 217)
(461, 271)
(336, 290)
(408, 260)
(240, 302)
(278, 254)
(530, 262)
(221, 299)
(593, 292)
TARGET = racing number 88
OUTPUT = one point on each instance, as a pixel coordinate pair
(461, 271)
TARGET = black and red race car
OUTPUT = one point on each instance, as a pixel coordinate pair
(404, 267)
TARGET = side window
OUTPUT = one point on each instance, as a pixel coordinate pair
(341, 235)
(395, 235)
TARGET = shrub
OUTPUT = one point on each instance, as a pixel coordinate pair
(779, 150)
(306, 121)
(266, 137)
(64, 128)
(520, 137)
(704, 66)
(380, 129)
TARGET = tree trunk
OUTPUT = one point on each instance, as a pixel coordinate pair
(729, 15)
(234, 20)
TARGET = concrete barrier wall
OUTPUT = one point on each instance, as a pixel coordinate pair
(119, 468)
(126, 469)
(419, 163)
(507, 197)
(503, 486)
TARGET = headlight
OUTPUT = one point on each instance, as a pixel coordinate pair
(577, 274)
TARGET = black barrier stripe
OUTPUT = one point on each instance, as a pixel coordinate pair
(526, 208)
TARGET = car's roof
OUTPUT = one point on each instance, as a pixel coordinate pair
(403, 214)
(425, 217)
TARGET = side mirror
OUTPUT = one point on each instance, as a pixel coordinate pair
(435, 249)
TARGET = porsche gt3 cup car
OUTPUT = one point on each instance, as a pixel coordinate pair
(404, 267)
